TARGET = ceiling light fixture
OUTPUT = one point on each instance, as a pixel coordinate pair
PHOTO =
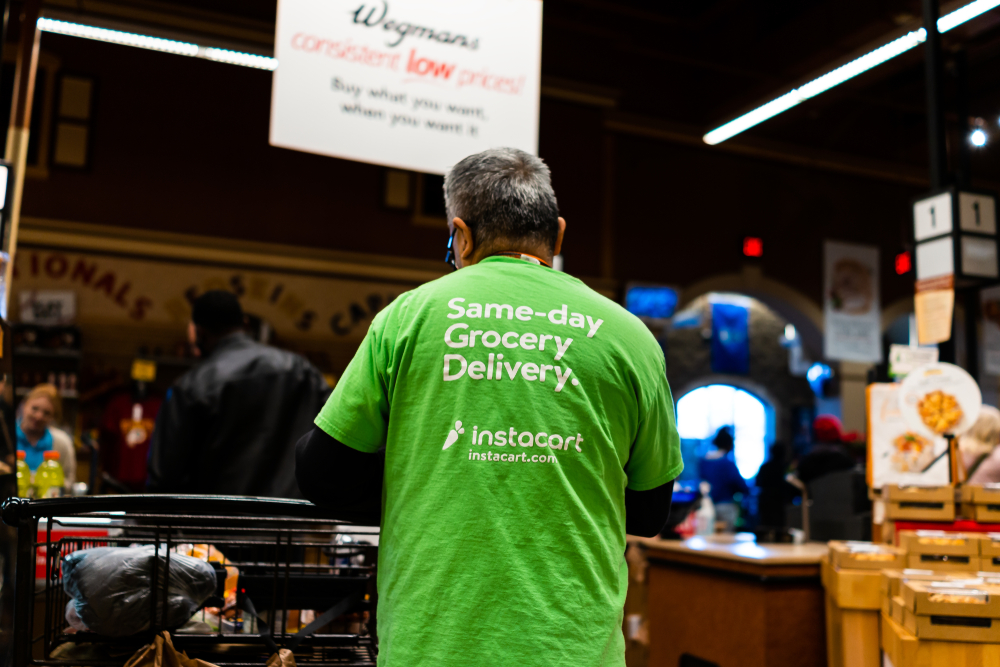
(158, 44)
(977, 138)
(845, 72)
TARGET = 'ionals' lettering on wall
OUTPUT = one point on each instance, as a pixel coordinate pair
(121, 289)
(480, 363)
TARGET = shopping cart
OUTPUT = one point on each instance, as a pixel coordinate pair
(305, 582)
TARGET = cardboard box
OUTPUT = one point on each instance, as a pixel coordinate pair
(987, 513)
(988, 494)
(890, 584)
(989, 564)
(905, 650)
(898, 645)
(928, 503)
(851, 637)
(949, 598)
(854, 589)
(890, 580)
(944, 562)
(896, 608)
(952, 628)
(931, 494)
(865, 556)
(981, 503)
(989, 544)
(966, 494)
(919, 510)
(939, 542)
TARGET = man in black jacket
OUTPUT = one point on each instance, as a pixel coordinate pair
(229, 426)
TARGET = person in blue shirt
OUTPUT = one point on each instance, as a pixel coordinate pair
(720, 471)
(36, 433)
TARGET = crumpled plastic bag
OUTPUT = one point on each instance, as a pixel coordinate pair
(210, 554)
(161, 653)
(110, 587)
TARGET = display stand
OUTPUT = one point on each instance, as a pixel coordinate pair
(953, 458)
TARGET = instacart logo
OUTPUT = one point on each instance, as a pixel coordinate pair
(514, 438)
(453, 436)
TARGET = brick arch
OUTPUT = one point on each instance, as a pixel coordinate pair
(795, 307)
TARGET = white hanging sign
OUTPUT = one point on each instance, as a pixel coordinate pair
(990, 305)
(414, 84)
(851, 312)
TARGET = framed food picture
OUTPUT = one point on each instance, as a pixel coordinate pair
(898, 454)
(940, 399)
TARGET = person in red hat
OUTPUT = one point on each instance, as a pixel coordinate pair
(828, 453)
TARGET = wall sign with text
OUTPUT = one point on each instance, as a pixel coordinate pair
(91, 288)
(414, 84)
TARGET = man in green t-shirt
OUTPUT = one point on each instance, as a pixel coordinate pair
(515, 424)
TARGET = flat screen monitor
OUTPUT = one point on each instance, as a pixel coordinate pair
(656, 302)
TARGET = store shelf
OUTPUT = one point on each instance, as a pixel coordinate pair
(171, 361)
(71, 394)
(25, 351)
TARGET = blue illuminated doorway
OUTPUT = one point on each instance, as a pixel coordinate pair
(703, 411)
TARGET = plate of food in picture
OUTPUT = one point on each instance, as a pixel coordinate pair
(936, 400)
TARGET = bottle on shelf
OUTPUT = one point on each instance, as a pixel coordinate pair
(23, 476)
(705, 516)
(49, 478)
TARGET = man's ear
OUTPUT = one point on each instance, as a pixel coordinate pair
(557, 248)
(193, 338)
(464, 245)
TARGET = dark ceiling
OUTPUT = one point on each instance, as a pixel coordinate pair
(700, 63)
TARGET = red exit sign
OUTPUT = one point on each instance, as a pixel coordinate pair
(903, 263)
(753, 246)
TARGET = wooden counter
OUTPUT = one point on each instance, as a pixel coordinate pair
(734, 603)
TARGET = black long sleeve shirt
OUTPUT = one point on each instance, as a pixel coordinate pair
(349, 484)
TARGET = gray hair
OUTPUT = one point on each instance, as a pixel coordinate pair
(503, 194)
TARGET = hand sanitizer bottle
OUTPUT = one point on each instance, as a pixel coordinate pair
(705, 516)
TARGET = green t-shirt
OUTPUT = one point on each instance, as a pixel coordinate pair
(515, 405)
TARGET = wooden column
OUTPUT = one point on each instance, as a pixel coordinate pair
(18, 134)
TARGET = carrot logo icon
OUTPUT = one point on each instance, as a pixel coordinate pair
(453, 436)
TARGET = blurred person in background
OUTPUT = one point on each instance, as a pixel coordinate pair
(828, 453)
(229, 426)
(775, 491)
(36, 434)
(719, 469)
(980, 454)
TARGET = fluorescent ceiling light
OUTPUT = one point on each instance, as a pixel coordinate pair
(845, 72)
(158, 44)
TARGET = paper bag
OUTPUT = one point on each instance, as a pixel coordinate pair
(283, 658)
(161, 653)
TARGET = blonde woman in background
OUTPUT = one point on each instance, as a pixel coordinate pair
(35, 434)
(980, 454)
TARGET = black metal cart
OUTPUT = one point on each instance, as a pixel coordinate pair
(305, 582)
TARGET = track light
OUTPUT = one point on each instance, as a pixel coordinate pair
(158, 44)
(845, 72)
